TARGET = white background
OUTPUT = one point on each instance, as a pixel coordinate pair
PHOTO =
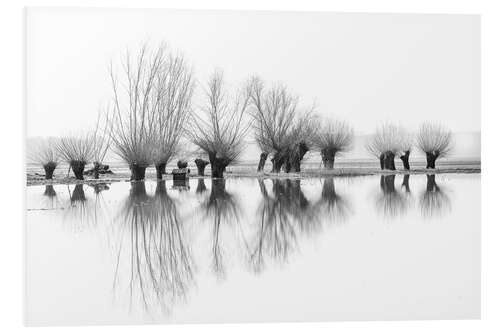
(12, 133)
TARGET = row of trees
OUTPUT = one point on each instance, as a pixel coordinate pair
(152, 116)
(391, 141)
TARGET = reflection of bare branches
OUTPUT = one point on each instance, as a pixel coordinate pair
(336, 207)
(434, 201)
(160, 262)
(281, 216)
(80, 209)
(223, 207)
(391, 202)
(99, 187)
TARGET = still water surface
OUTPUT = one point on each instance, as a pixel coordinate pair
(363, 248)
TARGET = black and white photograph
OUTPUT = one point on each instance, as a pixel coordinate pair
(221, 166)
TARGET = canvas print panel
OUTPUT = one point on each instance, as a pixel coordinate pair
(221, 166)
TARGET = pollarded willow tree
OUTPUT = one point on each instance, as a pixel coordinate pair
(333, 138)
(173, 94)
(279, 127)
(406, 145)
(435, 141)
(77, 151)
(385, 145)
(151, 102)
(219, 128)
(46, 154)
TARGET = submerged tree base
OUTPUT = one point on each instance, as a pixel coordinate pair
(406, 160)
(78, 168)
(262, 161)
(431, 159)
(160, 170)
(49, 169)
(218, 165)
(200, 165)
(328, 158)
(138, 172)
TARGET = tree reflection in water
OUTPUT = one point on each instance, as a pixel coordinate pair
(282, 216)
(50, 197)
(161, 268)
(434, 201)
(79, 212)
(391, 202)
(201, 188)
(86, 211)
(223, 207)
(331, 205)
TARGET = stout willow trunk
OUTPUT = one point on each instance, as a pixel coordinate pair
(296, 157)
(262, 161)
(160, 170)
(49, 169)
(328, 157)
(278, 160)
(389, 160)
(218, 165)
(138, 172)
(78, 167)
(431, 159)
(405, 158)
(200, 165)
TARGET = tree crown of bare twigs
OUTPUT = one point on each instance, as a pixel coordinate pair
(45, 152)
(220, 127)
(76, 148)
(277, 122)
(434, 138)
(151, 102)
(335, 135)
(389, 138)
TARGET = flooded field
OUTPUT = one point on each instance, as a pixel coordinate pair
(247, 250)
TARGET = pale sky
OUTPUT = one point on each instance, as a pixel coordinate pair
(362, 68)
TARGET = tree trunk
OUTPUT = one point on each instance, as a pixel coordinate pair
(382, 161)
(287, 166)
(297, 156)
(431, 160)
(328, 158)
(78, 167)
(262, 161)
(406, 160)
(49, 169)
(218, 165)
(160, 170)
(389, 161)
(406, 183)
(278, 160)
(138, 172)
(97, 166)
(200, 165)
